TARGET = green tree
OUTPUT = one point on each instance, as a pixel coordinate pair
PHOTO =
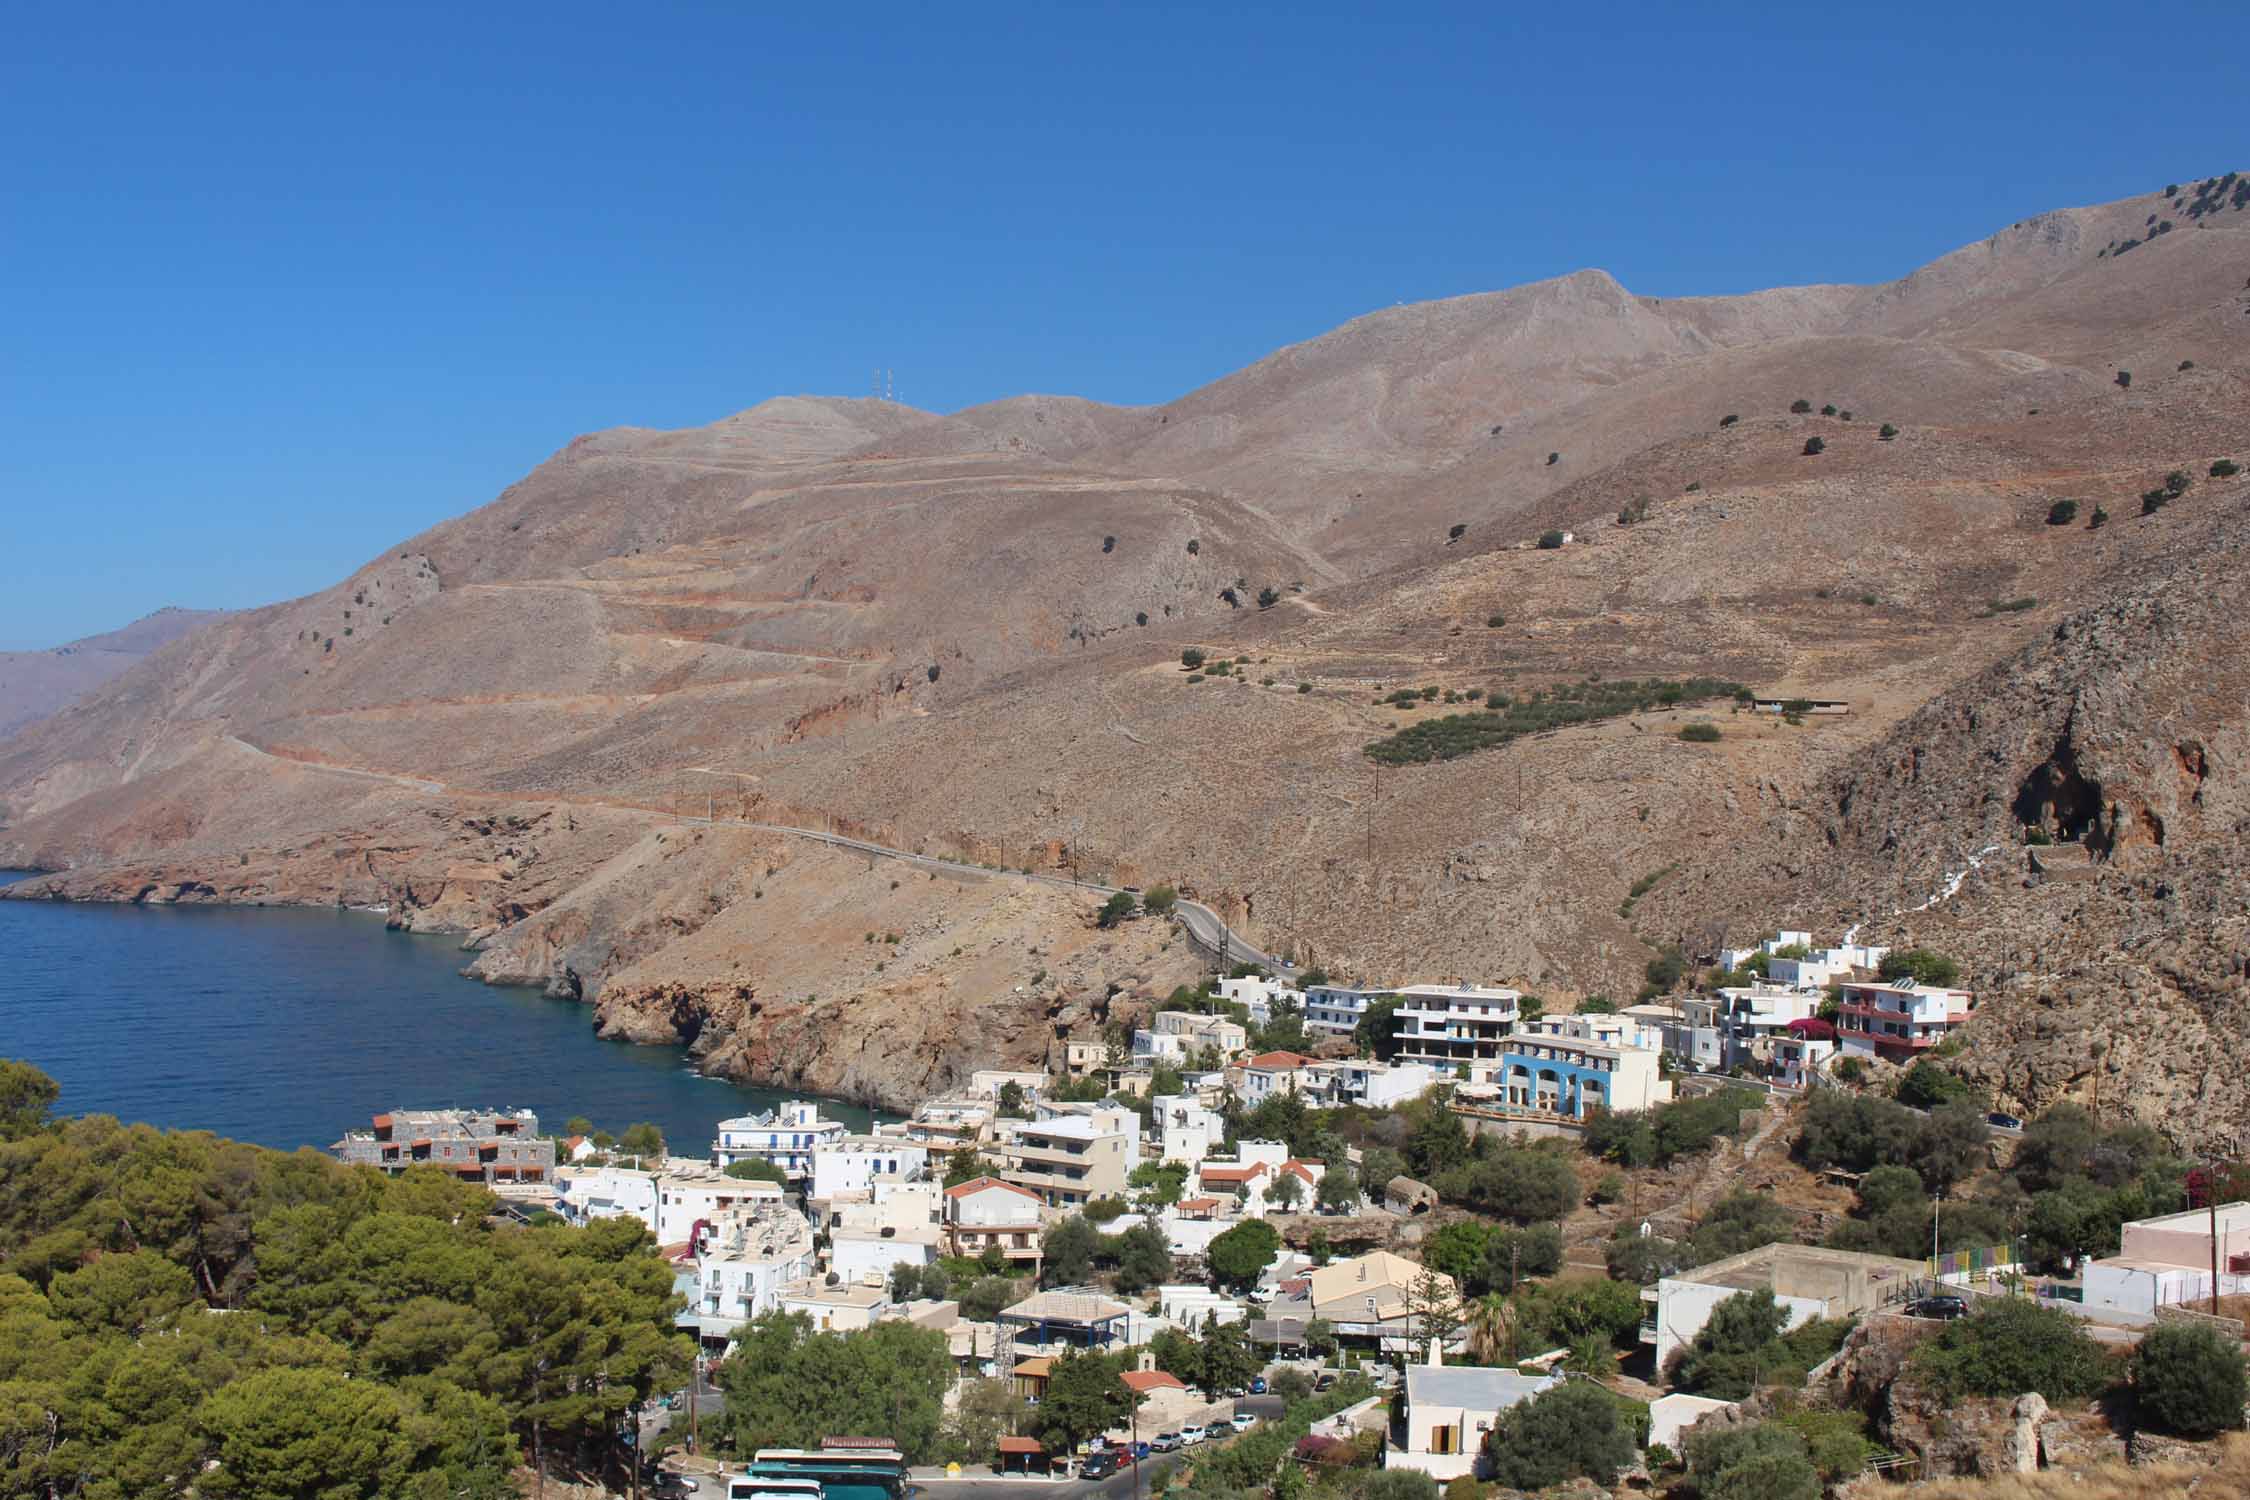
(757, 1169)
(1067, 1251)
(1158, 900)
(1144, 1258)
(1376, 1031)
(1926, 1086)
(1338, 1191)
(1920, 966)
(1764, 1462)
(1227, 1359)
(1084, 1397)
(962, 1164)
(2189, 1380)
(1736, 1344)
(1570, 1431)
(787, 1386)
(131, 1294)
(1239, 1256)
(284, 1434)
(2009, 1346)
(26, 1097)
(987, 1410)
(983, 1298)
(1116, 909)
(1287, 1192)
(642, 1139)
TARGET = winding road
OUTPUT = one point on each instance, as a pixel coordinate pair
(1204, 927)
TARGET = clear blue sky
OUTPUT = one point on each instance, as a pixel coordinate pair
(281, 285)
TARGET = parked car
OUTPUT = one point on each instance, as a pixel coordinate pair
(1100, 1465)
(669, 1486)
(1140, 1451)
(1258, 1386)
(1237, 1392)
(1243, 1421)
(1326, 1382)
(1943, 1308)
(1166, 1442)
(1192, 1434)
(2004, 1121)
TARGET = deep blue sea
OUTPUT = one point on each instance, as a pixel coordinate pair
(287, 1027)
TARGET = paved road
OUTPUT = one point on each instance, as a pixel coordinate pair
(1203, 926)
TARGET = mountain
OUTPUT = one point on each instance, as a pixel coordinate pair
(962, 634)
(34, 684)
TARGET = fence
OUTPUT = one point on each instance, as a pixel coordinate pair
(1971, 1263)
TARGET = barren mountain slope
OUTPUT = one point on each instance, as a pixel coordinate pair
(962, 634)
(33, 684)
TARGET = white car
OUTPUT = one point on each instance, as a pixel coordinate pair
(1243, 1421)
(1192, 1434)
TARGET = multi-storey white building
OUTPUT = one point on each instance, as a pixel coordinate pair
(1260, 997)
(1271, 1073)
(785, 1137)
(987, 1213)
(1336, 1008)
(855, 1164)
(1573, 1065)
(1186, 1131)
(1368, 1085)
(1898, 1022)
(1456, 1029)
(1175, 1036)
(1753, 1019)
(741, 1265)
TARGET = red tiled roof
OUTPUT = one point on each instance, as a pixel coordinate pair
(1280, 1061)
(382, 1122)
(1232, 1174)
(1197, 1205)
(979, 1184)
(1141, 1382)
(1030, 1445)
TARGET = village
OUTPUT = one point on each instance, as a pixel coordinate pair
(1409, 1210)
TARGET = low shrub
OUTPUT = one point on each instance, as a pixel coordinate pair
(1799, 407)
(2009, 1346)
(2125, 377)
(1886, 432)
(1504, 719)
(2062, 513)
(1700, 733)
(1550, 540)
(1815, 446)
(1553, 459)
(1730, 419)
(2190, 1380)
(1494, 622)
(2225, 468)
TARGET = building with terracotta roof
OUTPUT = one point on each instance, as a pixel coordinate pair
(1271, 1073)
(987, 1213)
(479, 1145)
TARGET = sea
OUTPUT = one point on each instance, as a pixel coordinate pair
(288, 1027)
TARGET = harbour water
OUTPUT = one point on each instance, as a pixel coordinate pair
(286, 1027)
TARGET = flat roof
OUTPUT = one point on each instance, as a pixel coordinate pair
(2231, 1216)
(1071, 1305)
(1753, 1269)
(1473, 1387)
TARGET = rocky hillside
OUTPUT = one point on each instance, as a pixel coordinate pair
(35, 684)
(962, 634)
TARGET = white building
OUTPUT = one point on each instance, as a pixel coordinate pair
(1368, 1085)
(857, 1164)
(1753, 1019)
(1669, 1417)
(903, 1224)
(1455, 1029)
(1898, 1022)
(849, 1307)
(785, 1137)
(1188, 1307)
(1688, 1029)
(1336, 1008)
(584, 1194)
(1449, 1411)
(2166, 1261)
(1570, 1066)
(945, 1125)
(671, 1201)
(1271, 1073)
(1072, 1153)
(1186, 1132)
(987, 1213)
(742, 1264)
(1177, 1035)
(1260, 996)
(1802, 1055)
(1808, 967)
(1807, 1283)
(986, 1083)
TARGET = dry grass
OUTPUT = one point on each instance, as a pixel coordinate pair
(2227, 1479)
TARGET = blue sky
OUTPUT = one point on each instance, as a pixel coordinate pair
(282, 285)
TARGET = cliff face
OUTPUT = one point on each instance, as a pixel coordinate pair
(2069, 823)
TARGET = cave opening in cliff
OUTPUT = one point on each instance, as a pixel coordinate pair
(2059, 798)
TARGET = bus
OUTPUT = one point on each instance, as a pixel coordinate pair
(840, 1469)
